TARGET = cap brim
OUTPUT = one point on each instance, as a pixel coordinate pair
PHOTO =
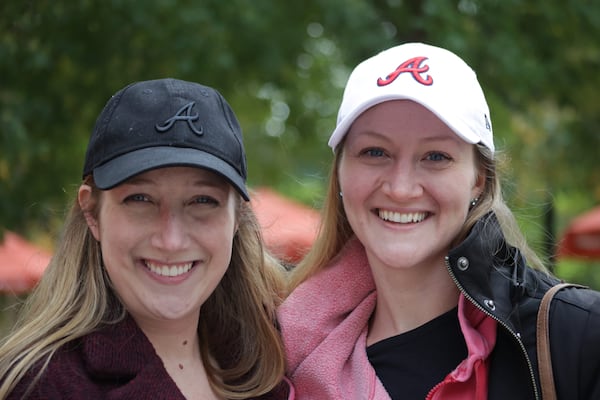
(342, 128)
(133, 163)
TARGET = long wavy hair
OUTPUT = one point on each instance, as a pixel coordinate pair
(335, 230)
(239, 338)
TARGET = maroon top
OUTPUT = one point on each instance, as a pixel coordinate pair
(116, 362)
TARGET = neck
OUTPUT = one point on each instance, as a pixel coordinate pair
(407, 299)
(173, 339)
(178, 346)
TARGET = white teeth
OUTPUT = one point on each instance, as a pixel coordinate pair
(172, 270)
(402, 218)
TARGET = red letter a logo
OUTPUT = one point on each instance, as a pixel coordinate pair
(414, 67)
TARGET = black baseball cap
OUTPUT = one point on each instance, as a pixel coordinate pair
(163, 123)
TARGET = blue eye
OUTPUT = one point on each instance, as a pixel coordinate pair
(205, 200)
(374, 152)
(137, 197)
(437, 156)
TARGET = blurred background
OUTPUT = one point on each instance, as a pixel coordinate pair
(282, 66)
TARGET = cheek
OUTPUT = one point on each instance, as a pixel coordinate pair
(219, 232)
(115, 233)
(357, 185)
(113, 242)
(350, 178)
(455, 193)
(219, 244)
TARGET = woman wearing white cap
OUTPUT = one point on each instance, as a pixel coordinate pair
(159, 287)
(420, 285)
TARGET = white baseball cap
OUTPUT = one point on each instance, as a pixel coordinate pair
(431, 76)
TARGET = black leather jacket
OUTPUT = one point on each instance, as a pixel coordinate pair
(496, 278)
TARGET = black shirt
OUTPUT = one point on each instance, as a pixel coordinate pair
(410, 364)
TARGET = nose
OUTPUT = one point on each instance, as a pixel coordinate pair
(170, 233)
(401, 182)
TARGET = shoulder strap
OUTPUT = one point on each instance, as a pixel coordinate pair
(543, 342)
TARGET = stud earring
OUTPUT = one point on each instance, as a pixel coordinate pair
(473, 202)
(341, 195)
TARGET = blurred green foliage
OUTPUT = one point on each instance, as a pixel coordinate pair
(282, 66)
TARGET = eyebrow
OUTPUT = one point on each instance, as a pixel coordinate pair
(445, 138)
(370, 133)
(434, 138)
(216, 182)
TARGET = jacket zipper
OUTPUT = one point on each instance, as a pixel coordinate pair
(502, 323)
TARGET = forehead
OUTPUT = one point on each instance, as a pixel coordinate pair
(400, 120)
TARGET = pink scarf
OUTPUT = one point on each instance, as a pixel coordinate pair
(324, 326)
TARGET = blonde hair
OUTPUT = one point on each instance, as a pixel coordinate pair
(240, 342)
(238, 321)
(335, 230)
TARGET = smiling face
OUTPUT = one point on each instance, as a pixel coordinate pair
(166, 238)
(407, 180)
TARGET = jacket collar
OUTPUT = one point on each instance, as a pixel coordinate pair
(490, 272)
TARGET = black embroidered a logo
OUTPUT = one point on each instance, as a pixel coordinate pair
(184, 114)
(413, 66)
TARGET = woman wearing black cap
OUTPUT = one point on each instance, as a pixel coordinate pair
(159, 287)
(419, 285)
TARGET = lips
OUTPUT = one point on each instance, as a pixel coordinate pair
(169, 270)
(402, 218)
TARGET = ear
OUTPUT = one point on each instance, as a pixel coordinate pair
(86, 202)
(479, 185)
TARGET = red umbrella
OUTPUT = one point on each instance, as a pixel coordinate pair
(289, 228)
(582, 237)
(21, 264)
